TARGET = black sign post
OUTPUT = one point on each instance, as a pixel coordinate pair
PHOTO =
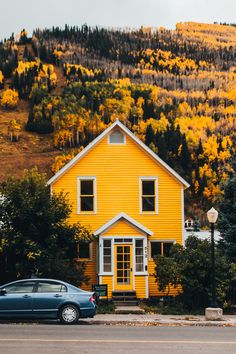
(100, 290)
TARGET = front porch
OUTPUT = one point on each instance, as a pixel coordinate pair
(123, 259)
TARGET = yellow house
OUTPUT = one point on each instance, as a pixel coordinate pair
(134, 204)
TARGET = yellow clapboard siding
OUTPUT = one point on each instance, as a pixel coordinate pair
(107, 279)
(117, 169)
(122, 228)
(91, 267)
(140, 286)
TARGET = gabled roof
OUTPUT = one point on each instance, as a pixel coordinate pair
(127, 218)
(117, 123)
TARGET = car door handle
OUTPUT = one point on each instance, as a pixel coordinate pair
(26, 296)
(57, 295)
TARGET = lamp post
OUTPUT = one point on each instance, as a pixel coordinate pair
(212, 216)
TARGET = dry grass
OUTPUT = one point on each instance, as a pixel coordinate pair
(31, 149)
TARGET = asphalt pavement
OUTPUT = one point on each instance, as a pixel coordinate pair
(87, 337)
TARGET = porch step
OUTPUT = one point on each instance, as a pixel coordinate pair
(129, 310)
(125, 303)
(127, 298)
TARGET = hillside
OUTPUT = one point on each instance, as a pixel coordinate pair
(175, 89)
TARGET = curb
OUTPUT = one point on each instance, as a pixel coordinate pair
(159, 323)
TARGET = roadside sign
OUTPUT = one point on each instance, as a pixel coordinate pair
(100, 289)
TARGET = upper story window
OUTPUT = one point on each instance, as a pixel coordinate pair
(86, 195)
(116, 138)
(148, 197)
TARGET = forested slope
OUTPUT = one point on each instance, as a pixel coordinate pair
(175, 89)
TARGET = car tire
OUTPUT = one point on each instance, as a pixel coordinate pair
(69, 314)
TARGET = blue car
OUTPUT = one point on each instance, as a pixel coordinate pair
(46, 298)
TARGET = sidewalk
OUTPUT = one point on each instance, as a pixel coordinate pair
(160, 320)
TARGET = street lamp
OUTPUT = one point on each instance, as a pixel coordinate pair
(212, 216)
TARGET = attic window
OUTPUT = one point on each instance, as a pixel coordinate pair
(116, 138)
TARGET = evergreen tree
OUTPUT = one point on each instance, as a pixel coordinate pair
(227, 217)
(185, 157)
(150, 136)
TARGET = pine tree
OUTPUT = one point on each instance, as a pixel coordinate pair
(227, 219)
(150, 136)
(185, 156)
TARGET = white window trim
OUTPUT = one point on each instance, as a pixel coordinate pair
(148, 178)
(101, 272)
(109, 142)
(81, 178)
(112, 238)
(161, 240)
(145, 256)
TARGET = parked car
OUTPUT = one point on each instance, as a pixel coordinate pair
(46, 298)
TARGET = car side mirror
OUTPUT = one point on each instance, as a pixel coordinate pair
(3, 291)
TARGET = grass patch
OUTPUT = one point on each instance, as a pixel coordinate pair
(169, 309)
(104, 308)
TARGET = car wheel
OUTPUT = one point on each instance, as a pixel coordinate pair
(69, 314)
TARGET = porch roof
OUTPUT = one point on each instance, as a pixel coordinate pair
(127, 218)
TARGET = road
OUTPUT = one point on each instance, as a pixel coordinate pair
(45, 338)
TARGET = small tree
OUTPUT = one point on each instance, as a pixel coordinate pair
(23, 37)
(35, 232)
(14, 130)
(10, 98)
(190, 267)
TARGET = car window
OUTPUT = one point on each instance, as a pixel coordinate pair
(51, 287)
(24, 287)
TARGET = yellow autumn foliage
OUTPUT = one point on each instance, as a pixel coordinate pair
(1, 77)
(10, 98)
(14, 129)
(44, 71)
(62, 160)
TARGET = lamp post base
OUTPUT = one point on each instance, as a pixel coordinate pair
(213, 314)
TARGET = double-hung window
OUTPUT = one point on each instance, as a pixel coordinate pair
(162, 248)
(148, 197)
(139, 256)
(87, 195)
(107, 256)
